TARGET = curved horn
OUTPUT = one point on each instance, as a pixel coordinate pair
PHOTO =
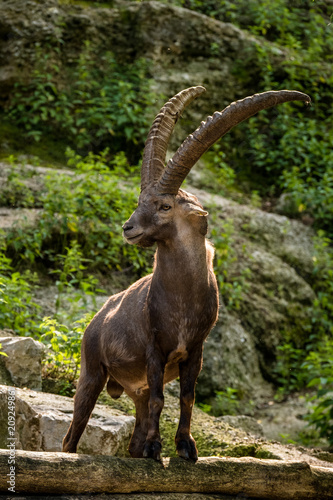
(214, 128)
(153, 162)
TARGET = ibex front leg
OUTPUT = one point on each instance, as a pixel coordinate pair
(188, 373)
(155, 375)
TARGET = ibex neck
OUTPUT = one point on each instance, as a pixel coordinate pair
(183, 264)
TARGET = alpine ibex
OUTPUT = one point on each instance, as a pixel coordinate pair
(154, 331)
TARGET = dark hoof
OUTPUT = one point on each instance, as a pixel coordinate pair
(152, 449)
(187, 449)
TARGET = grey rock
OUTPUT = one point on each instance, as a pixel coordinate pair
(247, 424)
(288, 239)
(231, 360)
(42, 421)
(241, 351)
(164, 34)
(22, 365)
(18, 217)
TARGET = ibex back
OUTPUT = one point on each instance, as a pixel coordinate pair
(154, 331)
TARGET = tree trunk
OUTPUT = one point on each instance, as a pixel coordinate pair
(61, 473)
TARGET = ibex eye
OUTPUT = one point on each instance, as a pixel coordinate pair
(165, 207)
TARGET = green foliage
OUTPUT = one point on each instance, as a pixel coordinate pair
(219, 176)
(18, 311)
(308, 335)
(233, 282)
(290, 148)
(306, 357)
(16, 193)
(226, 402)
(64, 346)
(301, 164)
(319, 368)
(88, 207)
(74, 286)
(78, 232)
(98, 105)
(301, 24)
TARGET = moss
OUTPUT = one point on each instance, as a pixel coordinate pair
(241, 450)
(5, 377)
(266, 454)
(87, 3)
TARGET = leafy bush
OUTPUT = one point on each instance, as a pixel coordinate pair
(301, 24)
(78, 232)
(64, 346)
(226, 402)
(301, 163)
(18, 311)
(98, 105)
(288, 149)
(233, 283)
(88, 207)
(319, 368)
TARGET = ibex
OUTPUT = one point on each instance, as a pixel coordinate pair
(154, 331)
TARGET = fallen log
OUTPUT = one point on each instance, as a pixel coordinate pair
(62, 473)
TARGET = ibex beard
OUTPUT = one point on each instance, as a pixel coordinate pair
(154, 331)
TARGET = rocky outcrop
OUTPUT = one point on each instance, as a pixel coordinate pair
(42, 421)
(277, 252)
(231, 360)
(244, 422)
(183, 48)
(22, 365)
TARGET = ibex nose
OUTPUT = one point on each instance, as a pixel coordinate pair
(127, 226)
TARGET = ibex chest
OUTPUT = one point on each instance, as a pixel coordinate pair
(184, 320)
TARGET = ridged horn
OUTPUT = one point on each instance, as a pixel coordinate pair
(214, 128)
(153, 162)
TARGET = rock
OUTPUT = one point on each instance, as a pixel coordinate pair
(285, 420)
(22, 365)
(276, 253)
(286, 205)
(231, 360)
(42, 421)
(290, 240)
(18, 217)
(166, 35)
(247, 424)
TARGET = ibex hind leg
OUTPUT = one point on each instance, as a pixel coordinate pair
(139, 435)
(89, 388)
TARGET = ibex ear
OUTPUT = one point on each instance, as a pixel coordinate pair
(192, 209)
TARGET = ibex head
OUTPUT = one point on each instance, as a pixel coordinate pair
(162, 204)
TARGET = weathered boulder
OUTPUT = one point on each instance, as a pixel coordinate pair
(244, 422)
(241, 351)
(183, 47)
(231, 360)
(288, 239)
(43, 419)
(18, 217)
(22, 365)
